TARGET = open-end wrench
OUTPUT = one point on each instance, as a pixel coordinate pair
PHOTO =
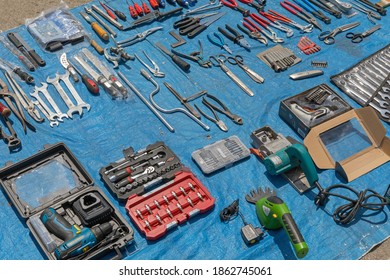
(374, 63)
(365, 76)
(45, 92)
(40, 107)
(49, 114)
(373, 88)
(72, 90)
(373, 72)
(72, 108)
(362, 95)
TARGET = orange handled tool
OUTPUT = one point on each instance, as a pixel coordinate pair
(153, 4)
(100, 31)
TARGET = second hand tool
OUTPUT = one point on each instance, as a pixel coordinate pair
(219, 61)
(96, 27)
(183, 65)
(220, 43)
(232, 4)
(192, 26)
(88, 82)
(234, 36)
(297, 11)
(119, 14)
(328, 36)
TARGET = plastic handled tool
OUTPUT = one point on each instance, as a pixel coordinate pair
(306, 74)
(119, 14)
(183, 3)
(274, 214)
(182, 100)
(23, 75)
(138, 9)
(96, 27)
(76, 240)
(107, 18)
(108, 11)
(65, 63)
(233, 5)
(25, 49)
(162, 3)
(26, 62)
(253, 4)
(183, 65)
(154, 4)
(100, 21)
(145, 7)
(4, 111)
(88, 82)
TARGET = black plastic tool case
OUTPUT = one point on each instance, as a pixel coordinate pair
(36, 199)
(158, 162)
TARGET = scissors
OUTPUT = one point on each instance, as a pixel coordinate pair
(328, 36)
(239, 60)
(358, 37)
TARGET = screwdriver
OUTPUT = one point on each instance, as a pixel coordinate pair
(153, 4)
(145, 8)
(138, 9)
(88, 82)
(108, 11)
(133, 13)
(161, 3)
(119, 14)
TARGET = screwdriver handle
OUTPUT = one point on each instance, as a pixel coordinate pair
(90, 84)
(120, 15)
(100, 31)
(97, 47)
(108, 11)
(138, 9)
(153, 4)
(183, 65)
(133, 13)
(145, 8)
(23, 75)
(4, 111)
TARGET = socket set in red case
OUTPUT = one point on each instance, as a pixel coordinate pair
(164, 208)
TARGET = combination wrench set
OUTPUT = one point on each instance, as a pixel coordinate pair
(368, 82)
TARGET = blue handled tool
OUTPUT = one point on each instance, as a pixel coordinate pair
(313, 10)
(220, 43)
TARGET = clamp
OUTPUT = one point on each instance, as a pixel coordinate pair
(196, 56)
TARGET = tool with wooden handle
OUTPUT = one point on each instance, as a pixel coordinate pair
(96, 27)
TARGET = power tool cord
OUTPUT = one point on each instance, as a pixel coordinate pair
(346, 213)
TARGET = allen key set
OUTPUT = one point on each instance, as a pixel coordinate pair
(368, 82)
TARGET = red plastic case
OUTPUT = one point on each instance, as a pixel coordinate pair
(173, 203)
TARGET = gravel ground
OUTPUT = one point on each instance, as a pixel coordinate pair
(22, 9)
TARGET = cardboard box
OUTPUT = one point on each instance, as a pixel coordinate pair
(376, 153)
(333, 106)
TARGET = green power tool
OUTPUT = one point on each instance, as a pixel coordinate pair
(274, 214)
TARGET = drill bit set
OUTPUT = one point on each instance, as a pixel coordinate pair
(279, 58)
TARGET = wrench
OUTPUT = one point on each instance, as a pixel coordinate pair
(45, 92)
(374, 72)
(50, 115)
(72, 108)
(366, 95)
(40, 107)
(378, 67)
(148, 170)
(365, 80)
(372, 80)
(12, 140)
(72, 90)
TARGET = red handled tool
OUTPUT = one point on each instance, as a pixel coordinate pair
(251, 3)
(233, 5)
(138, 9)
(153, 4)
(132, 11)
(4, 111)
(88, 82)
(108, 11)
(145, 8)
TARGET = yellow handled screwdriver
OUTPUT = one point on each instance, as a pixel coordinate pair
(96, 27)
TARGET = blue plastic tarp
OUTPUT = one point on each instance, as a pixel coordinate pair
(100, 135)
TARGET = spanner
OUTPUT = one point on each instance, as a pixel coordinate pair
(373, 81)
(12, 140)
(72, 90)
(40, 107)
(72, 108)
(366, 81)
(53, 104)
(49, 114)
(373, 72)
(365, 95)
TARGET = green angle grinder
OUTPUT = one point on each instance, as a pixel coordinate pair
(274, 214)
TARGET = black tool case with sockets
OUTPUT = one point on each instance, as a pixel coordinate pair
(54, 182)
(160, 192)
(368, 82)
(312, 107)
(139, 171)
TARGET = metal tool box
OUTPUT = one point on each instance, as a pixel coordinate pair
(54, 178)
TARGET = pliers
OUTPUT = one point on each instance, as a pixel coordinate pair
(220, 43)
(233, 5)
(196, 56)
(234, 36)
(313, 10)
(137, 37)
(155, 70)
(253, 32)
(265, 24)
(295, 10)
(279, 17)
(222, 109)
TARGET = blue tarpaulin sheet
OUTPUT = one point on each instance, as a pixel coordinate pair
(100, 135)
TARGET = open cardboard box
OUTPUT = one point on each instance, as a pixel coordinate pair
(357, 164)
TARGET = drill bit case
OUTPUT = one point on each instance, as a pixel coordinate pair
(311, 108)
(171, 204)
(139, 171)
(54, 180)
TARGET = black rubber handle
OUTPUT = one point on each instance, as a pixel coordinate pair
(24, 76)
(37, 58)
(56, 224)
(292, 229)
(183, 23)
(258, 7)
(181, 63)
(197, 31)
(187, 29)
(243, 11)
(232, 30)
(226, 34)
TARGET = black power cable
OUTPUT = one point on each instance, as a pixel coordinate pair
(346, 213)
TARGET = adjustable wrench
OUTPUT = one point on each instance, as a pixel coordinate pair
(50, 115)
(72, 108)
(80, 103)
